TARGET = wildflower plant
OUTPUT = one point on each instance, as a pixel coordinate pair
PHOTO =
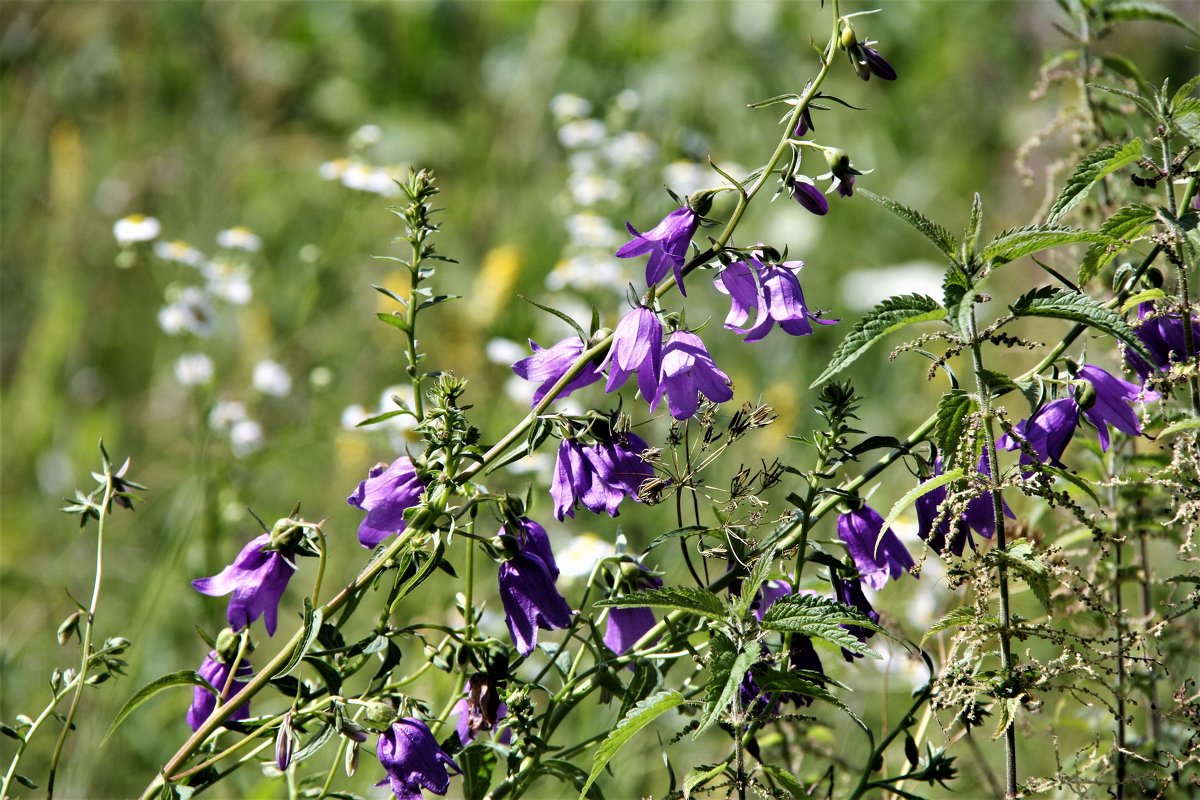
(720, 629)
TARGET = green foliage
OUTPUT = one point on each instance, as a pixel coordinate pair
(638, 717)
(890, 315)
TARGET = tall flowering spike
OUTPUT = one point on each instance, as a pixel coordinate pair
(1048, 432)
(636, 347)
(625, 626)
(385, 495)
(546, 366)
(1112, 405)
(773, 292)
(413, 760)
(527, 591)
(688, 371)
(216, 671)
(667, 243)
(850, 592)
(978, 516)
(808, 195)
(860, 529)
(1163, 336)
(256, 579)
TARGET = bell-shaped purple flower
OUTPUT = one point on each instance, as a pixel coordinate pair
(216, 671)
(878, 65)
(546, 366)
(860, 529)
(636, 347)
(385, 495)
(772, 292)
(978, 516)
(850, 592)
(688, 371)
(599, 476)
(256, 579)
(413, 760)
(667, 243)
(808, 195)
(1163, 336)
(1048, 432)
(625, 626)
(527, 590)
(1112, 404)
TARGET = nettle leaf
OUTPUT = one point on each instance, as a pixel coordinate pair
(185, 677)
(638, 717)
(779, 681)
(954, 619)
(762, 568)
(701, 775)
(1019, 556)
(1065, 304)
(1127, 10)
(820, 618)
(477, 764)
(727, 666)
(571, 773)
(917, 491)
(787, 780)
(1015, 243)
(935, 233)
(1093, 168)
(890, 315)
(1123, 228)
(680, 598)
(953, 411)
(1146, 105)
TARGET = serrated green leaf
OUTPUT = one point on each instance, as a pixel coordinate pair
(1141, 297)
(183, 677)
(1021, 558)
(890, 315)
(1076, 307)
(1188, 124)
(1014, 243)
(727, 666)
(963, 615)
(699, 776)
(1093, 168)
(911, 496)
(572, 773)
(974, 228)
(819, 618)
(1124, 227)
(1129, 10)
(417, 578)
(638, 717)
(477, 764)
(1184, 425)
(953, 411)
(762, 568)
(679, 598)
(646, 679)
(1146, 105)
(779, 681)
(787, 780)
(935, 233)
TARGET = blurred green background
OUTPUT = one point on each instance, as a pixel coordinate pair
(208, 116)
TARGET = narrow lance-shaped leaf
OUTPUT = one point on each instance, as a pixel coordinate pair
(762, 568)
(1093, 168)
(890, 315)
(1126, 10)
(1064, 304)
(1014, 243)
(638, 717)
(911, 496)
(183, 677)
(935, 233)
(680, 598)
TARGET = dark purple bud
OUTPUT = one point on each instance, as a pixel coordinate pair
(809, 196)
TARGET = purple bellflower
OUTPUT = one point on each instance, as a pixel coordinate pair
(805, 123)
(687, 371)
(625, 626)
(1163, 336)
(850, 592)
(256, 579)
(385, 495)
(1048, 432)
(216, 671)
(527, 589)
(413, 760)
(978, 516)
(805, 192)
(801, 656)
(1112, 404)
(546, 366)
(667, 243)
(859, 529)
(599, 476)
(636, 347)
(773, 292)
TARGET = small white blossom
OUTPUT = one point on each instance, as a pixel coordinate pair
(864, 288)
(504, 351)
(366, 135)
(271, 378)
(228, 281)
(630, 150)
(190, 312)
(239, 238)
(180, 252)
(568, 106)
(588, 189)
(136, 228)
(193, 369)
(370, 179)
(628, 100)
(245, 437)
(224, 414)
(577, 559)
(581, 133)
(354, 414)
(334, 170)
(686, 177)
(592, 230)
(587, 271)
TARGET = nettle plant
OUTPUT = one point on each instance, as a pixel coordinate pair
(739, 652)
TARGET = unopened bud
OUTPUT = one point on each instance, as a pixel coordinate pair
(117, 644)
(849, 39)
(1085, 394)
(285, 743)
(378, 716)
(351, 760)
(69, 627)
(701, 202)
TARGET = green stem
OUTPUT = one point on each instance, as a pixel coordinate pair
(1189, 344)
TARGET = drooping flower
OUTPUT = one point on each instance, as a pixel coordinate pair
(256, 579)
(859, 529)
(636, 347)
(805, 123)
(667, 243)
(546, 366)
(772, 292)
(864, 58)
(625, 626)
(688, 371)
(850, 592)
(1163, 336)
(806, 193)
(1113, 397)
(527, 590)
(599, 476)
(841, 172)
(385, 495)
(979, 516)
(413, 760)
(216, 671)
(1047, 433)
(481, 710)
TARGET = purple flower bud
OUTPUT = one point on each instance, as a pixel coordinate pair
(385, 495)
(805, 123)
(1163, 336)
(808, 195)
(688, 371)
(878, 64)
(216, 671)
(527, 590)
(256, 579)
(413, 760)
(546, 367)
(636, 347)
(850, 592)
(860, 529)
(667, 243)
